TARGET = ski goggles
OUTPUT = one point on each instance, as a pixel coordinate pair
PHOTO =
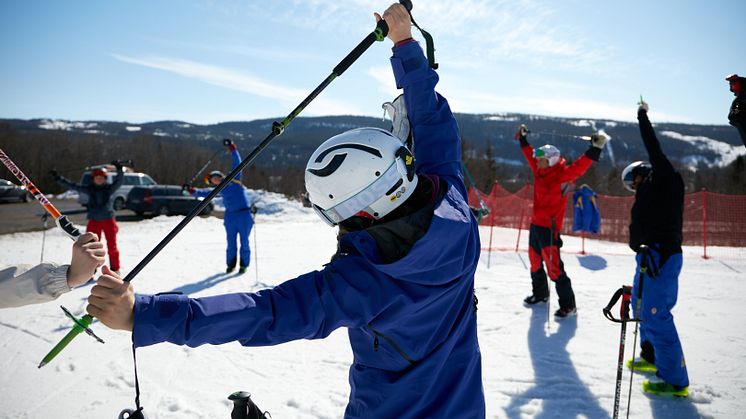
(362, 200)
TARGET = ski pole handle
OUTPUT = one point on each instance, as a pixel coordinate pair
(378, 34)
(59, 219)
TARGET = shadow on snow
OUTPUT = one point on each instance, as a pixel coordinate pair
(561, 391)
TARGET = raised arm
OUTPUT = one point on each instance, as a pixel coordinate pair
(437, 142)
(67, 182)
(528, 152)
(119, 181)
(659, 161)
(235, 159)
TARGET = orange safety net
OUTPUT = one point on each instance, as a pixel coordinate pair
(710, 219)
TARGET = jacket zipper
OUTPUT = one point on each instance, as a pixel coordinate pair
(396, 347)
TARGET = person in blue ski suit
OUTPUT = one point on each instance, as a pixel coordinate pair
(403, 284)
(656, 221)
(237, 218)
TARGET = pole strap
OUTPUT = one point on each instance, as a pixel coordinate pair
(625, 293)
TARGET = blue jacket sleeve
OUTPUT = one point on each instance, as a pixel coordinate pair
(201, 192)
(437, 147)
(310, 306)
(235, 161)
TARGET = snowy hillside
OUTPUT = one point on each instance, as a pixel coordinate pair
(529, 372)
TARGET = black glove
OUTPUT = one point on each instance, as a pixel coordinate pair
(227, 142)
(254, 209)
(522, 134)
(117, 164)
(187, 188)
(55, 175)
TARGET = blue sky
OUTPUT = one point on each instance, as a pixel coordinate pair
(206, 61)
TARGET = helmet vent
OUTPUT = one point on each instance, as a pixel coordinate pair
(361, 147)
(331, 167)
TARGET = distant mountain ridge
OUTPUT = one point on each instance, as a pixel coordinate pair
(690, 144)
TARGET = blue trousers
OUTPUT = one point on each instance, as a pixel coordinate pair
(659, 294)
(239, 224)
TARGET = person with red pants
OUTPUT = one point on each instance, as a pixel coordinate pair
(551, 176)
(100, 207)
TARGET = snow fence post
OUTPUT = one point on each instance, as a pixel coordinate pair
(704, 223)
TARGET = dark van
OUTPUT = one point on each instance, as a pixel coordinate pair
(163, 200)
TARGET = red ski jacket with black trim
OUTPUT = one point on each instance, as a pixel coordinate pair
(550, 184)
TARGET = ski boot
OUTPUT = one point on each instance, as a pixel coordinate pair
(242, 270)
(565, 312)
(533, 300)
(662, 388)
(231, 266)
(641, 365)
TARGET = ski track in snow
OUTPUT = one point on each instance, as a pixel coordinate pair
(568, 370)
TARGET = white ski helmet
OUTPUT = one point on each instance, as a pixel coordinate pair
(549, 152)
(630, 173)
(364, 169)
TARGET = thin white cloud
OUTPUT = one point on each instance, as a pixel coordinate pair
(385, 81)
(467, 101)
(234, 80)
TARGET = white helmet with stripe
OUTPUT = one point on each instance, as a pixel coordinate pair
(365, 171)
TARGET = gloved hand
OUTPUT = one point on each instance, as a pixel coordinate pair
(522, 132)
(55, 175)
(643, 106)
(118, 164)
(229, 143)
(599, 140)
(187, 188)
(254, 209)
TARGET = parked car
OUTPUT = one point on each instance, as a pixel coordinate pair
(131, 179)
(9, 191)
(163, 200)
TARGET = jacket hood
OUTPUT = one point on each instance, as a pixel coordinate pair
(428, 245)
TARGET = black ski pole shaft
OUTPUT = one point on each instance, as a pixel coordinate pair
(624, 292)
(202, 168)
(644, 255)
(379, 34)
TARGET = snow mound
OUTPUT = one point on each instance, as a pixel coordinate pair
(725, 153)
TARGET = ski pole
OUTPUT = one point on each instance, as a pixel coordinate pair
(482, 205)
(626, 293)
(254, 210)
(201, 169)
(551, 265)
(644, 255)
(81, 325)
(59, 219)
(378, 34)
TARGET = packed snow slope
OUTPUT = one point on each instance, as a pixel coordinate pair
(531, 370)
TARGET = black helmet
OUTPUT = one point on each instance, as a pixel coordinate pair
(630, 173)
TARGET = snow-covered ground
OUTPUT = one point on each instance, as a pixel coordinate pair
(567, 371)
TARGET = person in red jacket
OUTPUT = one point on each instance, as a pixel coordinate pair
(551, 176)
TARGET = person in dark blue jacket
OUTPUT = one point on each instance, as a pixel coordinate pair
(401, 281)
(656, 221)
(237, 219)
(101, 215)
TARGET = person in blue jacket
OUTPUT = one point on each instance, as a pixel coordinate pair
(237, 219)
(401, 281)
